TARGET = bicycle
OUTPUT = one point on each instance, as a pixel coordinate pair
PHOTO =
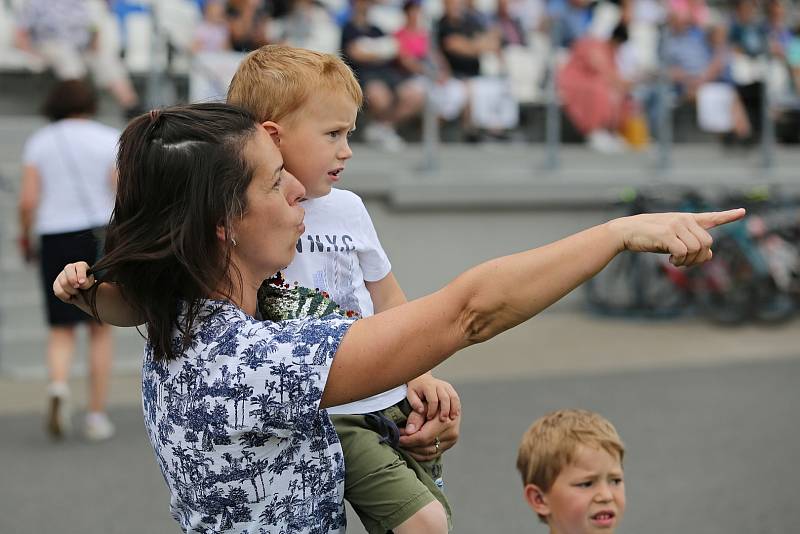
(748, 277)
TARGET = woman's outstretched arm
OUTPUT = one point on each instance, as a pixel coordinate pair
(392, 347)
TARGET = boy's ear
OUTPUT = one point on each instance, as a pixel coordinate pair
(536, 499)
(274, 130)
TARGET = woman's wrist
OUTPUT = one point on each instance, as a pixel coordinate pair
(617, 232)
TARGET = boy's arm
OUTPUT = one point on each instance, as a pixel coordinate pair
(71, 285)
(438, 395)
(385, 293)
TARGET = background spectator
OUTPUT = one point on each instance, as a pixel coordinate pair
(63, 34)
(746, 32)
(691, 58)
(698, 61)
(595, 96)
(66, 198)
(213, 34)
(463, 39)
(309, 25)
(776, 29)
(392, 97)
(749, 46)
(508, 26)
(573, 18)
(413, 43)
(695, 11)
(793, 58)
(779, 39)
(531, 13)
(249, 20)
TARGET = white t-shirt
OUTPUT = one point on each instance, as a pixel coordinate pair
(74, 159)
(338, 252)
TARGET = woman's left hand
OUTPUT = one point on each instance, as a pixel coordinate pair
(421, 445)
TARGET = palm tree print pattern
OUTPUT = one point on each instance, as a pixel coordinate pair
(236, 427)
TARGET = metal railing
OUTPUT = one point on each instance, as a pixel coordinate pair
(553, 127)
(664, 163)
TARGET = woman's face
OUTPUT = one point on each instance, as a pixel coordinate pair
(272, 223)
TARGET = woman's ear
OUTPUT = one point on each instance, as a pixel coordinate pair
(274, 130)
(536, 499)
(222, 234)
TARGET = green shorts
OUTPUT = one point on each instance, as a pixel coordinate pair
(385, 486)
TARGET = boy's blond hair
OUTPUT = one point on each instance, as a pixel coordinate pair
(551, 442)
(275, 81)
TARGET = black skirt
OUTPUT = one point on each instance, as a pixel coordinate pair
(56, 251)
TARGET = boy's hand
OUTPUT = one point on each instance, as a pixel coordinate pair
(72, 280)
(428, 395)
(684, 236)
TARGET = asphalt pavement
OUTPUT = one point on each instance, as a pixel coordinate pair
(711, 449)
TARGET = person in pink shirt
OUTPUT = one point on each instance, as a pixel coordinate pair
(594, 93)
(413, 43)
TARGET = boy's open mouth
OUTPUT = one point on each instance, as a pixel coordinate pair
(603, 518)
(335, 173)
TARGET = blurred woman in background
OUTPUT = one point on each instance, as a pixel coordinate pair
(66, 198)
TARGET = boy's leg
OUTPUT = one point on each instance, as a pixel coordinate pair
(430, 518)
(385, 489)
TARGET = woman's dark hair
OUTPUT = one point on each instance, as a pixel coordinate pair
(70, 98)
(182, 174)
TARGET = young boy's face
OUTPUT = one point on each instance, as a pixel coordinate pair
(587, 497)
(314, 142)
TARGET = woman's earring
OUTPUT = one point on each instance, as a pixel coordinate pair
(233, 242)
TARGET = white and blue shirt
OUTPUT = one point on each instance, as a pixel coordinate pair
(236, 426)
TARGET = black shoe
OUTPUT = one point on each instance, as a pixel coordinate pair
(473, 136)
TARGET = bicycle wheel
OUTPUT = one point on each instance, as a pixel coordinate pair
(636, 285)
(771, 305)
(724, 287)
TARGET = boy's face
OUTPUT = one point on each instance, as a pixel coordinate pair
(587, 497)
(314, 143)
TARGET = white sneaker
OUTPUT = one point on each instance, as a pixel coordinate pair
(58, 419)
(383, 136)
(373, 133)
(392, 141)
(604, 142)
(98, 427)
